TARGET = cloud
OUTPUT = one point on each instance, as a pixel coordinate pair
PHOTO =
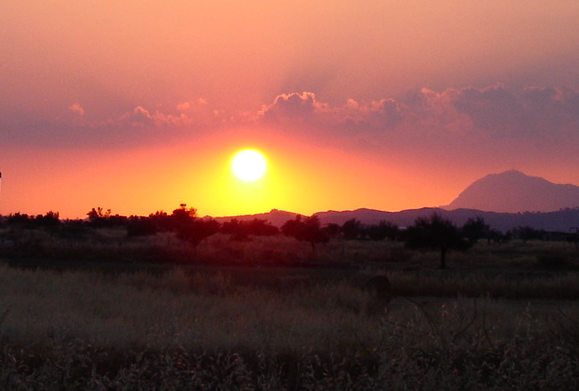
(493, 112)
(193, 114)
(293, 107)
(186, 106)
(422, 109)
(306, 110)
(183, 107)
(77, 109)
(469, 115)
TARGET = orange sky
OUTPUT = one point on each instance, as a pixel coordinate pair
(139, 105)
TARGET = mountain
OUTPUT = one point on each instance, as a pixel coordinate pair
(562, 220)
(505, 201)
(275, 217)
(371, 216)
(514, 191)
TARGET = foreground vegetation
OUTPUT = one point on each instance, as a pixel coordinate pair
(92, 306)
(278, 329)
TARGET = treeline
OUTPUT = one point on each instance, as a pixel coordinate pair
(303, 228)
(430, 233)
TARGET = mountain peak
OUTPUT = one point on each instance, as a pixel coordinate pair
(515, 191)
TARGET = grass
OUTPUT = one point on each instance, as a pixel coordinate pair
(99, 311)
(208, 330)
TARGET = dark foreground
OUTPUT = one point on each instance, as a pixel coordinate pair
(267, 314)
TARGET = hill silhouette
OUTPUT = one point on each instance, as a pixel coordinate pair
(275, 216)
(561, 220)
(505, 201)
(513, 191)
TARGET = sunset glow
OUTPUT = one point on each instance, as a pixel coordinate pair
(386, 105)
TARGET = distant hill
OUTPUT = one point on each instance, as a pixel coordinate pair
(561, 220)
(275, 217)
(514, 191)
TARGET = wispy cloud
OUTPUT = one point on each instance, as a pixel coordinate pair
(425, 115)
(77, 109)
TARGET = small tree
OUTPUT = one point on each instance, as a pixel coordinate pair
(50, 219)
(526, 233)
(191, 229)
(332, 230)
(104, 218)
(382, 230)
(241, 230)
(140, 226)
(475, 229)
(435, 233)
(352, 229)
(197, 230)
(305, 229)
(98, 214)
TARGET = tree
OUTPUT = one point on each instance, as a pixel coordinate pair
(435, 233)
(18, 219)
(475, 229)
(182, 216)
(161, 220)
(196, 230)
(104, 218)
(352, 229)
(191, 229)
(241, 230)
(526, 233)
(98, 213)
(332, 230)
(305, 229)
(141, 226)
(383, 230)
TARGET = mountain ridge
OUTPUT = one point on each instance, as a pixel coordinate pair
(514, 191)
(562, 218)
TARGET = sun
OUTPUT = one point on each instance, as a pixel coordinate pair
(248, 165)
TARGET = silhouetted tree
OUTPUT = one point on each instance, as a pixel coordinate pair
(191, 229)
(332, 230)
(50, 219)
(435, 233)
(141, 226)
(497, 236)
(104, 218)
(475, 229)
(195, 231)
(382, 230)
(182, 216)
(234, 228)
(241, 230)
(352, 229)
(163, 221)
(98, 213)
(18, 219)
(526, 233)
(305, 229)
(260, 227)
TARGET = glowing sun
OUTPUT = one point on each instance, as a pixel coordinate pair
(249, 165)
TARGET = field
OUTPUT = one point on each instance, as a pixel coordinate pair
(107, 312)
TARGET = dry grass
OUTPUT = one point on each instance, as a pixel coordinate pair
(204, 330)
(503, 317)
(113, 245)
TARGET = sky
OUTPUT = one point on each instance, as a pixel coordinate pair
(139, 106)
